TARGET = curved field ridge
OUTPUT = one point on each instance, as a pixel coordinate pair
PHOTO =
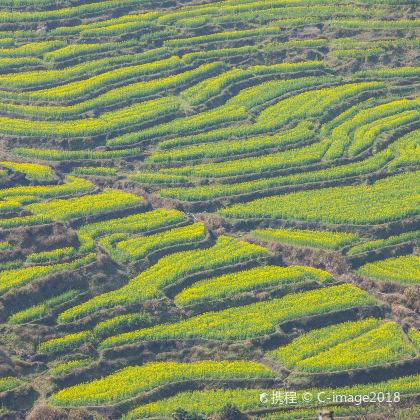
(385, 200)
(251, 320)
(134, 379)
(213, 400)
(346, 346)
(204, 202)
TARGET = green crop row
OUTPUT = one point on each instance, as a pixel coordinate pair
(382, 243)
(86, 205)
(283, 16)
(197, 193)
(68, 342)
(384, 344)
(140, 247)
(346, 346)
(252, 320)
(19, 221)
(55, 255)
(403, 71)
(79, 11)
(361, 130)
(209, 402)
(223, 36)
(135, 223)
(120, 323)
(5, 245)
(10, 206)
(202, 91)
(167, 270)
(129, 117)
(249, 98)
(101, 330)
(11, 64)
(67, 367)
(32, 171)
(233, 110)
(31, 49)
(271, 118)
(352, 43)
(297, 136)
(71, 186)
(230, 285)
(408, 155)
(312, 238)
(157, 178)
(376, 24)
(124, 28)
(62, 155)
(386, 200)
(364, 52)
(405, 269)
(320, 340)
(77, 51)
(208, 119)
(365, 137)
(20, 276)
(224, 54)
(130, 381)
(313, 103)
(299, 157)
(414, 337)
(226, 8)
(113, 97)
(41, 310)
(7, 383)
(134, 65)
(94, 171)
(86, 28)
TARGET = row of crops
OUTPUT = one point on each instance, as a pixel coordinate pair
(208, 203)
(377, 342)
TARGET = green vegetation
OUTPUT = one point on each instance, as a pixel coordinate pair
(87, 205)
(21, 276)
(41, 310)
(229, 285)
(129, 381)
(251, 320)
(165, 169)
(111, 98)
(167, 270)
(404, 270)
(300, 135)
(58, 155)
(8, 383)
(311, 238)
(212, 401)
(72, 186)
(388, 199)
(135, 223)
(346, 346)
(383, 243)
(140, 247)
(31, 170)
(94, 171)
(68, 342)
(67, 367)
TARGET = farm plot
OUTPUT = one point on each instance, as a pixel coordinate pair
(386, 200)
(346, 346)
(167, 169)
(404, 270)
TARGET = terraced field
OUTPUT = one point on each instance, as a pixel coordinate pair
(209, 209)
